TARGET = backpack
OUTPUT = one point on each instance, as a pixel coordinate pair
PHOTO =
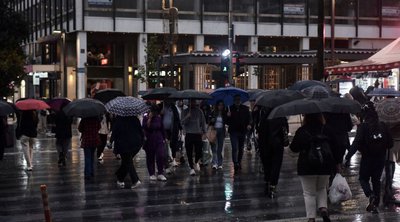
(377, 139)
(319, 153)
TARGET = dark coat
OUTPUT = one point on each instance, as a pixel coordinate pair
(271, 133)
(27, 124)
(239, 119)
(363, 143)
(341, 125)
(127, 135)
(213, 117)
(63, 126)
(302, 141)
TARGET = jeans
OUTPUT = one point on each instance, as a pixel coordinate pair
(314, 192)
(237, 141)
(155, 154)
(193, 141)
(127, 167)
(89, 161)
(63, 146)
(218, 146)
(27, 148)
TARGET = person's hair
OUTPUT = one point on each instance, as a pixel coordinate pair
(154, 109)
(314, 119)
(369, 113)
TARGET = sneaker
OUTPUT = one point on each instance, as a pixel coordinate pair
(136, 184)
(174, 163)
(214, 167)
(120, 184)
(100, 157)
(197, 167)
(161, 178)
(192, 172)
(153, 178)
(220, 167)
(272, 192)
(168, 171)
(374, 210)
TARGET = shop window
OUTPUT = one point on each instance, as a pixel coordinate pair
(216, 10)
(270, 11)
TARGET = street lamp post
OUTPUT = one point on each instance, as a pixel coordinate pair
(63, 62)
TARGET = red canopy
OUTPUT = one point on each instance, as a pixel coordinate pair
(384, 59)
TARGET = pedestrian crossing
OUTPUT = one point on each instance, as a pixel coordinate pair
(211, 196)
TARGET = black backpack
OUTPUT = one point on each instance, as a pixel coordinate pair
(377, 139)
(319, 153)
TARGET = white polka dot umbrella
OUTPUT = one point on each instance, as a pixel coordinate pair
(127, 106)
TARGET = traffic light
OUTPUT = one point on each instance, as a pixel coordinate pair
(226, 63)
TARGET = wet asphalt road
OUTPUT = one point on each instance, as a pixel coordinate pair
(211, 196)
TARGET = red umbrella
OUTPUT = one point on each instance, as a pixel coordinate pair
(31, 104)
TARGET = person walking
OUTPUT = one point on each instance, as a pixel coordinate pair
(314, 180)
(155, 143)
(128, 138)
(217, 121)
(373, 140)
(63, 135)
(238, 120)
(26, 132)
(89, 127)
(272, 133)
(172, 126)
(3, 135)
(103, 134)
(194, 126)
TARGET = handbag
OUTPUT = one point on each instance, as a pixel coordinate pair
(211, 134)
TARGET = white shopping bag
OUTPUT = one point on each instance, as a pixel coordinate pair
(339, 190)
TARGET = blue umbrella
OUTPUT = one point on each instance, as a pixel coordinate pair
(384, 92)
(227, 94)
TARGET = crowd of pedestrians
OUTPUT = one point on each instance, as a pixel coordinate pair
(171, 127)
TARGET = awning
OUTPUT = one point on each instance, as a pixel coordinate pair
(385, 59)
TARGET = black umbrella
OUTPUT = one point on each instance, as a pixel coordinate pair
(308, 106)
(302, 106)
(300, 85)
(5, 108)
(84, 108)
(159, 93)
(278, 97)
(189, 94)
(106, 95)
(254, 93)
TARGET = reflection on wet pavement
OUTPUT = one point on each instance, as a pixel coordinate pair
(212, 196)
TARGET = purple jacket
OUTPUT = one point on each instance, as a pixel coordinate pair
(155, 133)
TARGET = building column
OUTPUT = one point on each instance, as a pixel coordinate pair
(141, 56)
(252, 78)
(199, 43)
(305, 68)
(81, 57)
